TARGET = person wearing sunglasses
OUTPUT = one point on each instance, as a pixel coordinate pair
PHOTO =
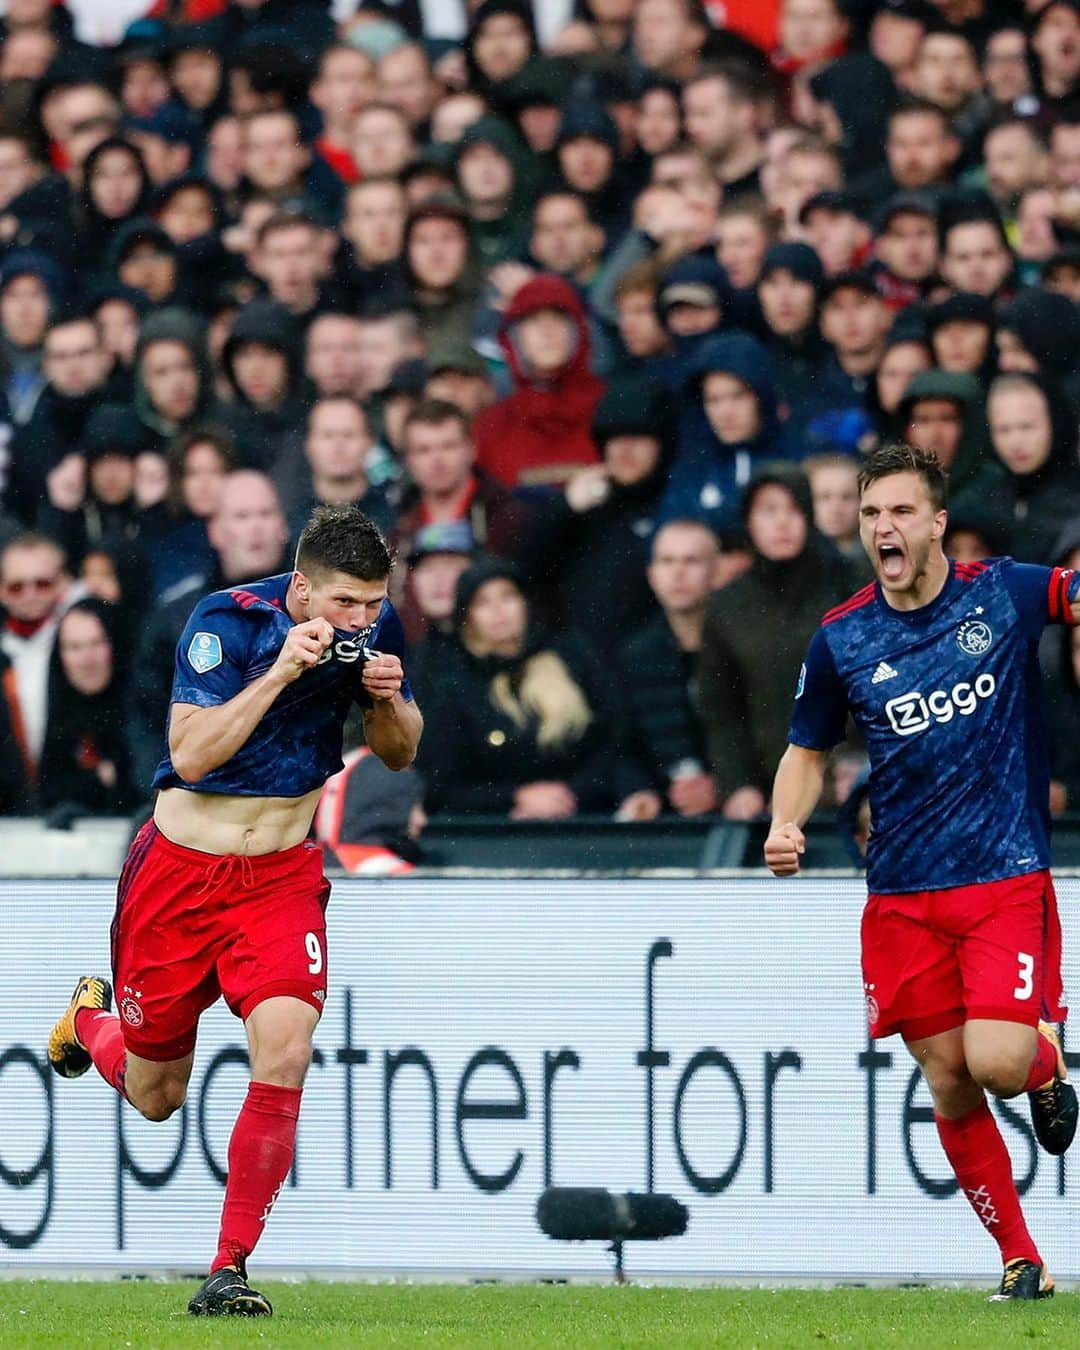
(34, 591)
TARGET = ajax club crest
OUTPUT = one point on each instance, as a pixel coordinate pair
(974, 637)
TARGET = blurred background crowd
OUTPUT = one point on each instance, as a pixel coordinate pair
(593, 305)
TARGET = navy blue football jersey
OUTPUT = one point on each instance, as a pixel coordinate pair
(948, 700)
(235, 636)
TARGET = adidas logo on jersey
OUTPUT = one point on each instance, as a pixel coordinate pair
(884, 672)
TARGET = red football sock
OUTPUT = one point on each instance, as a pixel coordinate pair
(977, 1152)
(260, 1155)
(1043, 1066)
(102, 1034)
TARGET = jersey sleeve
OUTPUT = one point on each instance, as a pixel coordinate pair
(1042, 595)
(819, 718)
(211, 656)
(389, 639)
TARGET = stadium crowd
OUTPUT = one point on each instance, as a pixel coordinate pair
(594, 310)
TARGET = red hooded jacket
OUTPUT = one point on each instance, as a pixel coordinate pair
(542, 431)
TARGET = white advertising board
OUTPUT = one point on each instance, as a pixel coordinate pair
(483, 1039)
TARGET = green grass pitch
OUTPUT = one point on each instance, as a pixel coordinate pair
(148, 1315)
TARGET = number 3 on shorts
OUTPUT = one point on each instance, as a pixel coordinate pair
(1025, 972)
(315, 959)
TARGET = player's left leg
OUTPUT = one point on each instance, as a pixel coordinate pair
(977, 1154)
(263, 1139)
(1010, 959)
(273, 976)
(261, 1149)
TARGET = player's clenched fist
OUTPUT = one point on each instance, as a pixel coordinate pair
(302, 648)
(783, 849)
(382, 676)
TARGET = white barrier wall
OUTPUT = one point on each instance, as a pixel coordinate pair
(485, 1038)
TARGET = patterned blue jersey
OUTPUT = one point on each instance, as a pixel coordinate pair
(948, 700)
(235, 636)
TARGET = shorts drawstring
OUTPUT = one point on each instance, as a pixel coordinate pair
(221, 870)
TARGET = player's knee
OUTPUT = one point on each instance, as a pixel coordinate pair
(950, 1085)
(1002, 1074)
(159, 1103)
(285, 1063)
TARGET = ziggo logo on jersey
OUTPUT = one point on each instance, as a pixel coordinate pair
(911, 713)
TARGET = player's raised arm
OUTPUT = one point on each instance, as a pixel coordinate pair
(201, 739)
(796, 791)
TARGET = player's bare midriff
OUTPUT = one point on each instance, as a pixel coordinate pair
(215, 822)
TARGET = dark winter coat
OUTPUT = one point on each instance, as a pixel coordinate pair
(474, 757)
(756, 633)
(1036, 507)
(262, 434)
(85, 760)
(664, 727)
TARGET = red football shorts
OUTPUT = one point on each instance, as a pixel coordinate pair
(190, 926)
(932, 960)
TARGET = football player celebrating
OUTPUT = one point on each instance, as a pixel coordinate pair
(221, 892)
(961, 945)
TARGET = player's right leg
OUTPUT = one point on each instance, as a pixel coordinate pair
(163, 953)
(87, 1033)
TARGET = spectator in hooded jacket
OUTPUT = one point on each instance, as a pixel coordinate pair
(115, 191)
(755, 635)
(173, 387)
(493, 177)
(262, 360)
(729, 427)
(589, 549)
(501, 38)
(1039, 333)
(85, 764)
(946, 414)
(788, 288)
(1033, 433)
(541, 431)
(144, 257)
(441, 271)
(587, 153)
(103, 504)
(858, 91)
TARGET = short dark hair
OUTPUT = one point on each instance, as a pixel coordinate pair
(343, 539)
(433, 412)
(742, 87)
(973, 214)
(912, 106)
(898, 457)
(280, 221)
